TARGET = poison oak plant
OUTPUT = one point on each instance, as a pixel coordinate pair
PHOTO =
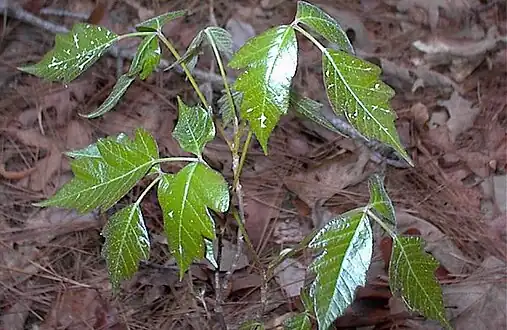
(108, 169)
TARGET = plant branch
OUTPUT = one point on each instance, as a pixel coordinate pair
(146, 190)
(189, 75)
(242, 159)
(176, 159)
(14, 10)
(381, 223)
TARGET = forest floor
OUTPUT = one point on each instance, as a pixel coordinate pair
(447, 61)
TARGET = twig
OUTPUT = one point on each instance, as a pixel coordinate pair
(15, 11)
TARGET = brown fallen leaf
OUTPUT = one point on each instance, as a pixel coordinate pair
(458, 47)
(479, 301)
(81, 309)
(453, 8)
(15, 175)
(14, 318)
(290, 275)
(78, 135)
(259, 211)
(329, 178)
(461, 114)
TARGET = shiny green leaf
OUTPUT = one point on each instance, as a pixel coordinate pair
(325, 25)
(210, 253)
(185, 198)
(346, 243)
(155, 24)
(74, 53)
(147, 57)
(412, 275)
(92, 151)
(119, 89)
(270, 61)
(220, 40)
(194, 128)
(311, 109)
(299, 321)
(380, 203)
(355, 90)
(101, 182)
(126, 244)
(225, 109)
(217, 38)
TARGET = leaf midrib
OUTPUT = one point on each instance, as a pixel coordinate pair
(345, 83)
(409, 265)
(100, 185)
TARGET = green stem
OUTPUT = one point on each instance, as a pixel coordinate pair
(241, 226)
(136, 34)
(237, 173)
(190, 77)
(224, 78)
(146, 190)
(175, 159)
(310, 37)
(381, 223)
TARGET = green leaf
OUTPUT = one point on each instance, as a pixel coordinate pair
(155, 24)
(224, 107)
(92, 151)
(380, 203)
(74, 53)
(270, 60)
(412, 274)
(325, 25)
(101, 182)
(355, 90)
(300, 321)
(251, 325)
(126, 244)
(210, 253)
(185, 199)
(119, 89)
(147, 57)
(311, 109)
(218, 39)
(347, 246)
(194, 128)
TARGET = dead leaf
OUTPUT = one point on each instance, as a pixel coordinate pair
(420, 114)
(458, 47)
(245, 281)
(328, 179)
(78, 135)
(16, 262)
(290, 231)
(259, 211)
(349, 20)
(45, 169)
(461, 114)
(479, 301)
(15, 175)
(14, 317)
(290, 275)
(142, 12)
(48, 223)
(240, 32)
(452, 7)
(80, 309)
(228, 255)
(500, 191)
